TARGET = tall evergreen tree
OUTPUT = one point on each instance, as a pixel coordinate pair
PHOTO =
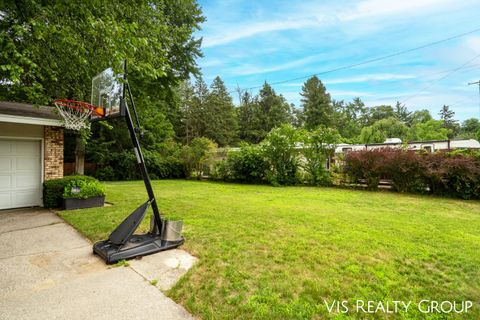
(270, 111)
(246, 114)
(317, 105)
(449, 122)
(220, 118)
(193, 101)
(402, 113)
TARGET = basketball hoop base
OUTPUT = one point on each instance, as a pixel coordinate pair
(137, 246)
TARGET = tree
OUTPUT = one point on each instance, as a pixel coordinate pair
(259, 115)
(420, 116)
(197, 155)
(318, 146)
(317, 105)
(383, 129)
(447, 115)
(246, 114)
(53, 49)
(430, 130)
(469, 128)
(50, 43)
(193, 109)
(220, 117)
(279, 148)
(402, 113)
(380, 112)
(350, 118)
(298, 117)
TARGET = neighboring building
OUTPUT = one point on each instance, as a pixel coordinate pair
(31, 151)
(430, 146)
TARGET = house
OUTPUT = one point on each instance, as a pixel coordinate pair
(31, 151)
(430, 146)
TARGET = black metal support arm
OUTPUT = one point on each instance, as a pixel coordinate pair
(141, 163)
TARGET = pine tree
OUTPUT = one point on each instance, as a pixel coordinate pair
(220, 117)
(246, 113)
(402, 113)
(193, 100)
(447, 115)
(317, 105)
(270, 111)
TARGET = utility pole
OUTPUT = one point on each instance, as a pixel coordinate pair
(478, 82)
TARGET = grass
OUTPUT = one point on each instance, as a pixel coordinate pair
(279, 253)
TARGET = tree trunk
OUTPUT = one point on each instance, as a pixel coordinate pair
(79, 155)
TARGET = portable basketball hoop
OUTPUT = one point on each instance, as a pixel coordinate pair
(76, 114)
(109, 101)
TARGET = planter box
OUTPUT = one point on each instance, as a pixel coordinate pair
(75, 203)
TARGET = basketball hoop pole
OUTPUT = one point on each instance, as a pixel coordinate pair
(140, 160)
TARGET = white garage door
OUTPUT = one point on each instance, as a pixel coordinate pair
(20, 174)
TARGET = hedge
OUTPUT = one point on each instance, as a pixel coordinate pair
(444, 174)
(53, 189)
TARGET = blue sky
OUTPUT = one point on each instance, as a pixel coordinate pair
(249, 42)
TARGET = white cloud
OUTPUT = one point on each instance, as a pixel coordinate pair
(372, 77)
(473, 43)
(350, 93)
(249, 69)
(210, 62)
(374, 8)
(251, 29)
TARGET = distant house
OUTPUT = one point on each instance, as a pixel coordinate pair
(430, 146)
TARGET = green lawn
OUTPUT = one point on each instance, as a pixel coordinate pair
(278, 253)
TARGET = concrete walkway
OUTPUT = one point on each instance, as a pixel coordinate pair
(48, 271)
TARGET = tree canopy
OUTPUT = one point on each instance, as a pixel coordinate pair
(53, 49)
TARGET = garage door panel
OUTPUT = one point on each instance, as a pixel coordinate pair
(27, 148)
(25, 198)
(5, 182)
(5, 201)
(5, 147)
(20, 173)
(25, 181)
(27, 164)
(5, 164)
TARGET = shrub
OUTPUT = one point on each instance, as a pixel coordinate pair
(53, 190)
(105, 174)
(433, 171)
(318, 146)
(452, 175)
(445, 174)
(248, 165)
(281, 155)
(83, 189)
(161, 167)
(404, 169)
(196, 157)
(365, 166)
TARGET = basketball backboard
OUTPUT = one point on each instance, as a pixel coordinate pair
(107, 91)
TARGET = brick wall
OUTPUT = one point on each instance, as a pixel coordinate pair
(53, 152)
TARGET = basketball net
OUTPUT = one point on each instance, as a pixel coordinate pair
(75, 114)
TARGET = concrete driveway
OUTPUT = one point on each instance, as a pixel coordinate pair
(48, 271)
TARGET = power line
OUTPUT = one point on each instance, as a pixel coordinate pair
(441, 78)
(350, 66)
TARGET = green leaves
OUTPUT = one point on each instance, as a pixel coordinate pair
(317, 105)
(53, 49)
